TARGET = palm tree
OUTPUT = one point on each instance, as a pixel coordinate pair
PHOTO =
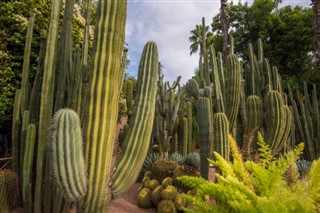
(196, 39)
(224, 28)
(316, 25)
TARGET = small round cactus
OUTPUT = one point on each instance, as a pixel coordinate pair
(167, 182)
(144, 198)
(166, 206)
(169, 193)
(156, 195)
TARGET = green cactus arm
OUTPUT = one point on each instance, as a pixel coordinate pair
(26, 65)
(138, 137)
(203, 116)
(189, 117)
(233, 90)
(220, 135)
(316, 117)
(102, 102)
(129, 94)
(194, 87)
(16, 128)
(46, 102)
(63, 57)
(66, 153)
(86, 34)
(28, 163)
(217, 87)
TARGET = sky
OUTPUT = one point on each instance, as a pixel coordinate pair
(168, 23)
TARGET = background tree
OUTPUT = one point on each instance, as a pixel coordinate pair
(286, 33)
(14, 16)
(224, 28)
(196, 39)
(316, 26)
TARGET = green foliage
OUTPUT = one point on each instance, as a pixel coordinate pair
(283, 31)
(13, 23)
(271, 191)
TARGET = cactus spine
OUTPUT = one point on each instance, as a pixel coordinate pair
(66, 152)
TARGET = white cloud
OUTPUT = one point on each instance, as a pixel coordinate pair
(168, 23)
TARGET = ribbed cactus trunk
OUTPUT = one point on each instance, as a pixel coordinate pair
(46, 105)
(203, 114)
(220, 135)
(138, 138)
(102, 106)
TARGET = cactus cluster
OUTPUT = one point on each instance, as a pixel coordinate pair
(90, 85)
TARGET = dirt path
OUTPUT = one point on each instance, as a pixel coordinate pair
(127, 202)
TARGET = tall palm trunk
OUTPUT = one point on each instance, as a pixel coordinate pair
(225, 26)
(316, 26)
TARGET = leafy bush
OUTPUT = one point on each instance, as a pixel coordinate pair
(270, 185)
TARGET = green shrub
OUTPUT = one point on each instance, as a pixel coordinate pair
(270, 185)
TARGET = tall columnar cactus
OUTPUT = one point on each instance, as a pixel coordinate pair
(185, 136)
(220, 135)
(129, 95)
(189, 117)
(139, 134)
(277, 117)
(203, 115)
(102, 106)
(66, 152)
(254, 120)
(8, 189)
(233, 88)
(28, 164)
(194, 88)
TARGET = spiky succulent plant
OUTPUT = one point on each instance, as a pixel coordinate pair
(193, 159)
(177, 157)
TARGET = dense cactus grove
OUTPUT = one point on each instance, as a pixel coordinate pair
(64, 128)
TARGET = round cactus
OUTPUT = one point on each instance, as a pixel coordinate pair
(153, 184)
(167, 181)
(162, 169)
(169, 193)
(179, 202)
(156, 195)
(148, 174)
(166, 206)
(8, 189)
(67, 160)
(144, 198)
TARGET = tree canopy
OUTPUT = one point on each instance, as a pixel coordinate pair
(286, 32)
